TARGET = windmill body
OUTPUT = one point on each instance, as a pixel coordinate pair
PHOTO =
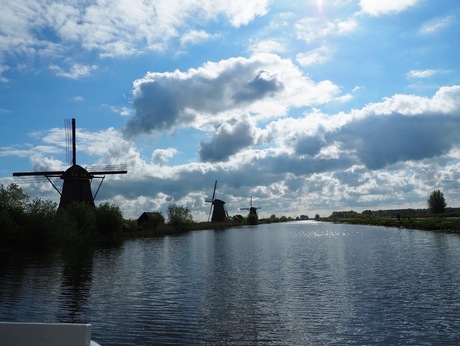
(252, 210)
(219, 213)
(76, 186)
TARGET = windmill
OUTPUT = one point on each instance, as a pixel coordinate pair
(217, 207)
(76, 179)
(252, 210)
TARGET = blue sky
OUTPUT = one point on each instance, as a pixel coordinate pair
(309, 106)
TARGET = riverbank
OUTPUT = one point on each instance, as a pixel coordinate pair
(433, 223)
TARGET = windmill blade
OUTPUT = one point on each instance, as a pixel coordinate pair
(36, 178)
(214, 192)
(107, 169)
(45, 174)
(68, 140)
(212, 200)
(210, 210)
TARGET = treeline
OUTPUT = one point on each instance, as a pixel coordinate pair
(37, 222)
(403, 213)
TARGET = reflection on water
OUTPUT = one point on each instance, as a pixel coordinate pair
(293, 283)
(75, 283)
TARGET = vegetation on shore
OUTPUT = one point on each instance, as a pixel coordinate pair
(39, 223)
(437, 217)
(427, 222)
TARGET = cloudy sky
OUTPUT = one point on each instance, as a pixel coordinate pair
(310, 106)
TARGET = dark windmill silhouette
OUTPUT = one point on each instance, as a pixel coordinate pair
(76, 180)
(252, 210)
(219, 213)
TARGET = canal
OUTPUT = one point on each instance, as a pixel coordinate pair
(296, 283)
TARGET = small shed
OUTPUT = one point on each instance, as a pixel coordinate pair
(150, 219)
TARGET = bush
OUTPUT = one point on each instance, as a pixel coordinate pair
(109, 219)
(79, 218)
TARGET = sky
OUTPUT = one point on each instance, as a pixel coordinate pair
(309, 106)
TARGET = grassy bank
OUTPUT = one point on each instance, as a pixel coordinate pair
(430, 223)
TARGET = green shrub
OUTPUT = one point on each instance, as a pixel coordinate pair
(79, 218)
(109, 219)
(179, 215)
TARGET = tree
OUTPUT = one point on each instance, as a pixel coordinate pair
(13, 203)
(13, 198)
(436, 202)
(179, 215)
(41, 226)
(109, 219)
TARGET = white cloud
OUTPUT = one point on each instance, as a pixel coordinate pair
(264, 86)
(76, 71)
(315, 56)
(163, 155)
(436, 25)
(313, 29)
(196, 36)
(112, 28)
(422, 73)
(267, 46)
(382, 7)
(3, 69)
(122, 111)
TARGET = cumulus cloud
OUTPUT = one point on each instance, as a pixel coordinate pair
(382, 7)
(229, 139)
(163, 155)
(382, 141)
(264, 85)
(403, 128)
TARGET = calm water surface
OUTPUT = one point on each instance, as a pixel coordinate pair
(295, 283)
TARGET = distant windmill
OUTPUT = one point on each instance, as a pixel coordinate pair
(76, 179)
(252, 210)
(217, 207)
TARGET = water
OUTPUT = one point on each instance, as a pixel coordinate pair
(294, 283)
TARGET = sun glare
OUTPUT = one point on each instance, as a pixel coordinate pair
(319, 6)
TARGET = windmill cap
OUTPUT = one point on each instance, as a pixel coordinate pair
(76, 172)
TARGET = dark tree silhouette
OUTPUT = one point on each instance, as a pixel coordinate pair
(436, 202)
